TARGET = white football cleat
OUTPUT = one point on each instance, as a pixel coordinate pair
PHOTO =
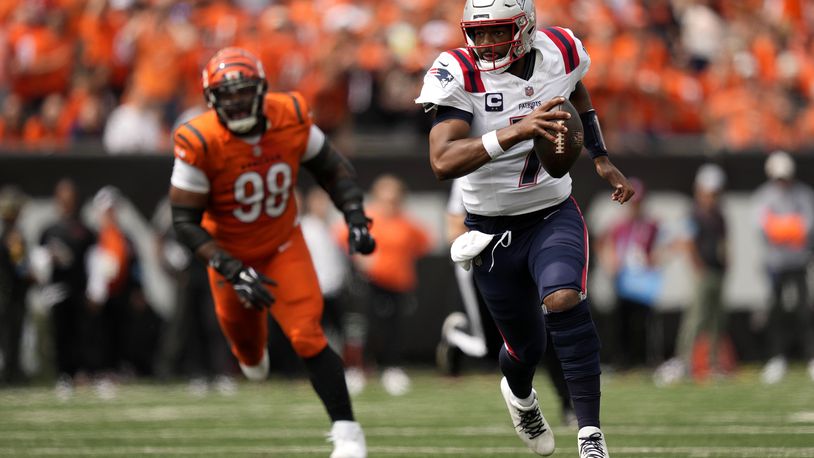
(774, 370)
(529, 422)
(591, 443)
(348, 439)
(259, 372)
(395, 381)
(811, 369)
(670, 372)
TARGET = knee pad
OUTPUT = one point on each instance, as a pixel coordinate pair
(575, 341)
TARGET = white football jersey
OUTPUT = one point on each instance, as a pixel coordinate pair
(514, 183)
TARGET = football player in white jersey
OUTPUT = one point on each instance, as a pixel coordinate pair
(527, 240)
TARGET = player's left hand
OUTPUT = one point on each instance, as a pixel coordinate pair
(622, 189)
(359, 238)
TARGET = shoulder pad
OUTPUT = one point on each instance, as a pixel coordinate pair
(287, 108)
(470, 73)
(561, 41)
(190, 142)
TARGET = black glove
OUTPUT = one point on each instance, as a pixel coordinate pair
(359, 238)
(247, 282)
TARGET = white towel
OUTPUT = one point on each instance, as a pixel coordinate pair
(467, 246)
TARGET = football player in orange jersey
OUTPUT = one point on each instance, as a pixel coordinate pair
(232, 196)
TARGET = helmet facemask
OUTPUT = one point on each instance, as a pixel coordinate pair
(519, 16)
(237, 103)
(234, 85)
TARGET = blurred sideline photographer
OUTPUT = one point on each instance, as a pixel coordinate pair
(706, 245)
(784, 213)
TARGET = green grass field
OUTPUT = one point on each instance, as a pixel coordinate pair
(463, 417)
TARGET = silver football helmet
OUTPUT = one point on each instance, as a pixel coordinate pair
(520, 14)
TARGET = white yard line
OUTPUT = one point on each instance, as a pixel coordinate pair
(288, 433)
(689, 452)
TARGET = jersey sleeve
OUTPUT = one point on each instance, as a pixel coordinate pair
(444, 85)
(316, 139)
(582, 53)
(301, 111)
(190, 149)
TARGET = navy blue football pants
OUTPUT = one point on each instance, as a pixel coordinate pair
(530, 257)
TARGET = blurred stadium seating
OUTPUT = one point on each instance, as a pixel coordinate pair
(668, 76)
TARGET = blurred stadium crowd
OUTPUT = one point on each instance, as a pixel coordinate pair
(726, 75)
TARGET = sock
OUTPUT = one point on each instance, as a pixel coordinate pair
(518, 375)
(576, 343)
(328, 379)
(585, 395)
(527, 401)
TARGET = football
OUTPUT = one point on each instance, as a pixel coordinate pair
(558, 157)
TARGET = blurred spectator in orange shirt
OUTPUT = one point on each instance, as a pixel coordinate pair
(44, 130)
(391, 274)
(106, 48)
(41, 52)
(11, 119)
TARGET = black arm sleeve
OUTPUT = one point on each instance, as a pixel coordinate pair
(594, 142)
(336, 175)
(187, 224)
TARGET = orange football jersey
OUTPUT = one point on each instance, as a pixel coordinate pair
(251, 209)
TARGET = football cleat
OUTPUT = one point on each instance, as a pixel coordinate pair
(529, 422)
(670, 372)
(348, 440)
(774, 371)
(591, 443)
(395, 381)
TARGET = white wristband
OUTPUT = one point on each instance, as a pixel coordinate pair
(491, 144)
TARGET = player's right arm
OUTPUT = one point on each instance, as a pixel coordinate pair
(453, 153)
(189, 196)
